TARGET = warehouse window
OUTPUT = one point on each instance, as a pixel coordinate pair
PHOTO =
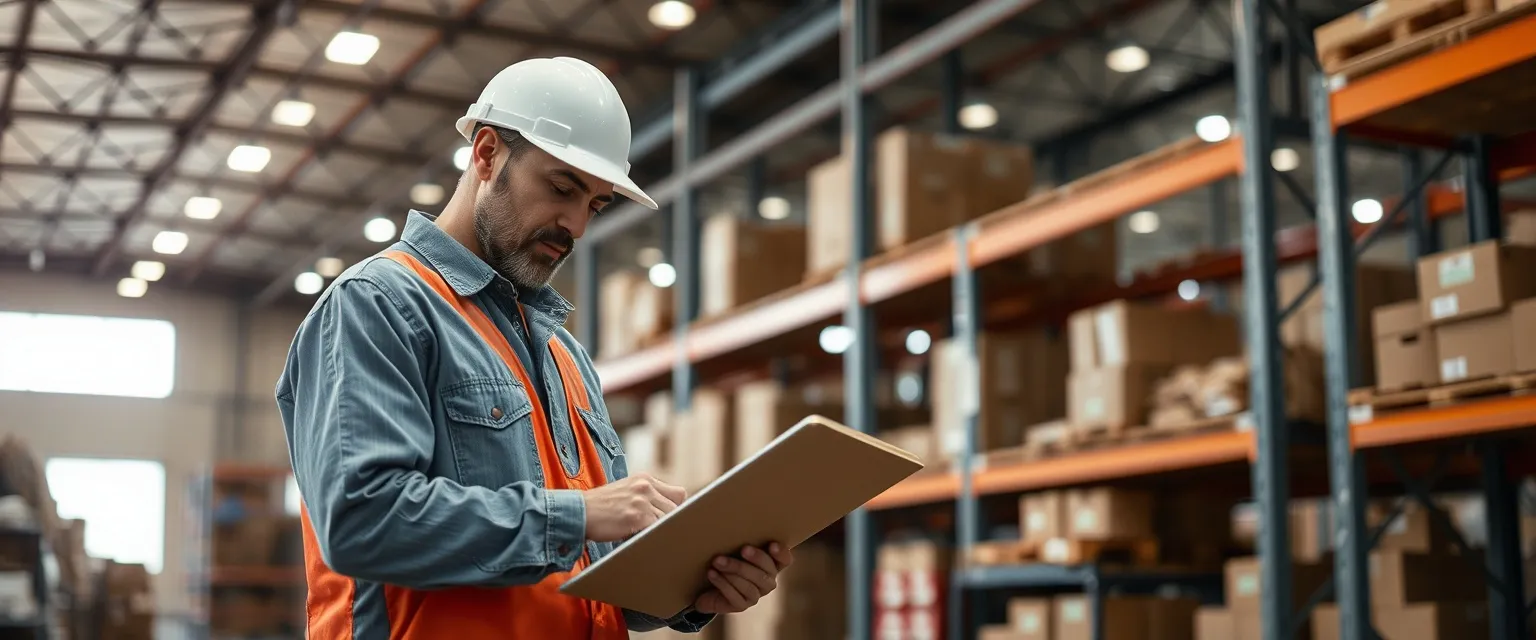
(87, 355)
(122, 503)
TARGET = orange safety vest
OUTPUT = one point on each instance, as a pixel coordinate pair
(535, 612)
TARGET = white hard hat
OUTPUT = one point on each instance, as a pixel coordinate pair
(567, 108)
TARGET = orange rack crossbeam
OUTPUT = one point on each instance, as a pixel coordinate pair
(1440, 423)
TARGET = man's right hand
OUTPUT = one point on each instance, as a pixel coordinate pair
(618, 510)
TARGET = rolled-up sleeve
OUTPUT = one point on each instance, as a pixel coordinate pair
(360, 434)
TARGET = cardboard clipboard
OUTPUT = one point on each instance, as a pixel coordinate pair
(801, 483)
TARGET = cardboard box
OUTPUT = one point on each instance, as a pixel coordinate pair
(1476, 280)
(650, 313)
(743, 261)
(810, 602)
(1112, 397)
(1375, 286)
(1311, 528)
(1107, 513)
(1214, 623)
(764, 410)
(1399, 579)
(1123, 332)
(917, 440)
(1125, 618)
(1405, 347)
(615, 293)
(1245, 590)
(702, 444)
(1519, 226)
(1472, 348)
(658, 409)
(1426, 621)
(1021, 382)
(1411, 531)
(247, 542)
(921, 179)
(1171, 618)
(829, 217)
(643, 450)
(1004, 632)
(1042, 515)
(1522, 322)
(1030, 618)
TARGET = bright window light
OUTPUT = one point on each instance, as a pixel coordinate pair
(977, 115)
(87, 355)
(329, 267)
(379, 230)
(308, 283)
(836, 339)
(148, 270)
(1284, 159)
(773, 208)
(918, 342)
(169, 242)
(1213, 128)
(1127, 59)
(461, 158)
(1143, 222)
(1366, 211)
(662, 275)
(351, 47)
(671, 14)
(132, 287)
(202, 208)
(426, 193)
(121, 501)
(649, 257)
(1189, 290)
(249, 158)
(293, 113)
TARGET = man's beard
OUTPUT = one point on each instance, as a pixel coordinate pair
(509, 248)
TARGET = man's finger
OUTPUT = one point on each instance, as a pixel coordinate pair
(728, 591)
(748, 590)
(673, 492)
(782, 556)
(762, 580)
(760, 559)
(661, 502)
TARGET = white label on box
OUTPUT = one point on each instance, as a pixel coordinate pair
(1248, 584)
(1073, 611)
(1030, 623)
(1221, 406)
(1456, 270)
(1085, 520)
(1111, 347)
(1054, 550)
(1093, 408)
(1371, 11)
(968, 391)
(890, 591)
(1443, 306)
(1361, 414)
(953, 441)
(1453, 369)
(1399, 525)
(921, 584)
(1035, 522)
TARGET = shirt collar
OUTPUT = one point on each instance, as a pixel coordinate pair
(467, 273)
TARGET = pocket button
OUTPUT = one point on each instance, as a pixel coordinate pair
(495, 413)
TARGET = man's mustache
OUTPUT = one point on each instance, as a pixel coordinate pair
(557, 237)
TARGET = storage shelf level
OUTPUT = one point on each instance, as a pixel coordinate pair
(1053, 576)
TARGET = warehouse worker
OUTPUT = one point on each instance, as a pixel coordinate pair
(449, 438)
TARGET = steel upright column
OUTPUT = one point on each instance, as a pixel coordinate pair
(688, 137)
(1220, 237)
(859, 360)
(1484, 214)
(966, 318)
(586, 296)
(953, 92)
(1336, 253)
(1425, 238)
(1270, 482)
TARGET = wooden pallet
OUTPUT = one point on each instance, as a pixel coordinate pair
(1378, 402)
(1355, 49)
(1137, 553)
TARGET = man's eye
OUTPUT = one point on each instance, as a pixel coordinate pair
(559, 190)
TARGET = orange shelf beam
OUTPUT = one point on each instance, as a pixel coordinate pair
(776, 317)
(1435, 72)
(1458, 421)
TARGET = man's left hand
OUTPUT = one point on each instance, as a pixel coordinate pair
(740, 583)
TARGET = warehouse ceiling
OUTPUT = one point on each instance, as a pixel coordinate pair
(243, 130)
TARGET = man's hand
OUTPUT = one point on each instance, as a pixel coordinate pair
(740, 583)
(618, 510)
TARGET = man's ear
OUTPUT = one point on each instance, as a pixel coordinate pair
(482, 154)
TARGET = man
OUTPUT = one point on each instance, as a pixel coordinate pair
(449, 438)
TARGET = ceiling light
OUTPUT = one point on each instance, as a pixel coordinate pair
(1189, 290)
(329, 267)
(649, 257)
(379, 230)
(918, 342)
(1127, 59)
(293, 113)
(773, 208)
(1213, 128)
(1143, 222)
(169, 242)
(671, 14)
(351, 47)
(202, 207)
(426, 193)
(249, 158)
(836, 339)
(977, 115)
(1366, 211)
(148, 270)
(308, 283)
(662, 275)
(132, 288)
(461, 158)
(909, 389)
(1284, 159)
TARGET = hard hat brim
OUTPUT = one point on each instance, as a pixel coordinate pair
(598, 167)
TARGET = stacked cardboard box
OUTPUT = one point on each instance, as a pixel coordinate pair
(810, 602)
(1189, 530)
(129, 603)
(650, 313)
(1374, 286)
(1244, 591)
(1020, 380)
(1193, 392)
(1405, 348)
(1028, 619)
(764, 410)
(911, 581)
(1468, 298)
(1119, 350)
(1420, 589)
(742, 261)
(1068, 617)
(702, 442)
(615, 294)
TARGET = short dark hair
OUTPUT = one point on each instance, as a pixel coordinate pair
(517, 145)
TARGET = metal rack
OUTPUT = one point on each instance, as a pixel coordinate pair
(1267, 446)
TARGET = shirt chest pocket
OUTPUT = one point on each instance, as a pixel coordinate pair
(490, 427)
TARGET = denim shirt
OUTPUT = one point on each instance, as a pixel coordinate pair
(407, 477)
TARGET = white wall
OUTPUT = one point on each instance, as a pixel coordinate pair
(186, 432)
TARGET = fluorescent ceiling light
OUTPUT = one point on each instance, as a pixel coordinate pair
(461, 158)
(1366, 210)
(426, 193)
(1127, 59)
(671, 14)
(918, 342)
(649, 257)
(351, 47)
(1213, 128)
(662, 275)
(308, 283)
(773, 208)
(249, 158)
(1284, 159)
(202, 207)
(977, 115)
(169, 242)
(329, 267)
(836, 339)
(1189, 289)
(1143, 222)
(293, 113)
(379, 230)
(148, 270)
(132, 288)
